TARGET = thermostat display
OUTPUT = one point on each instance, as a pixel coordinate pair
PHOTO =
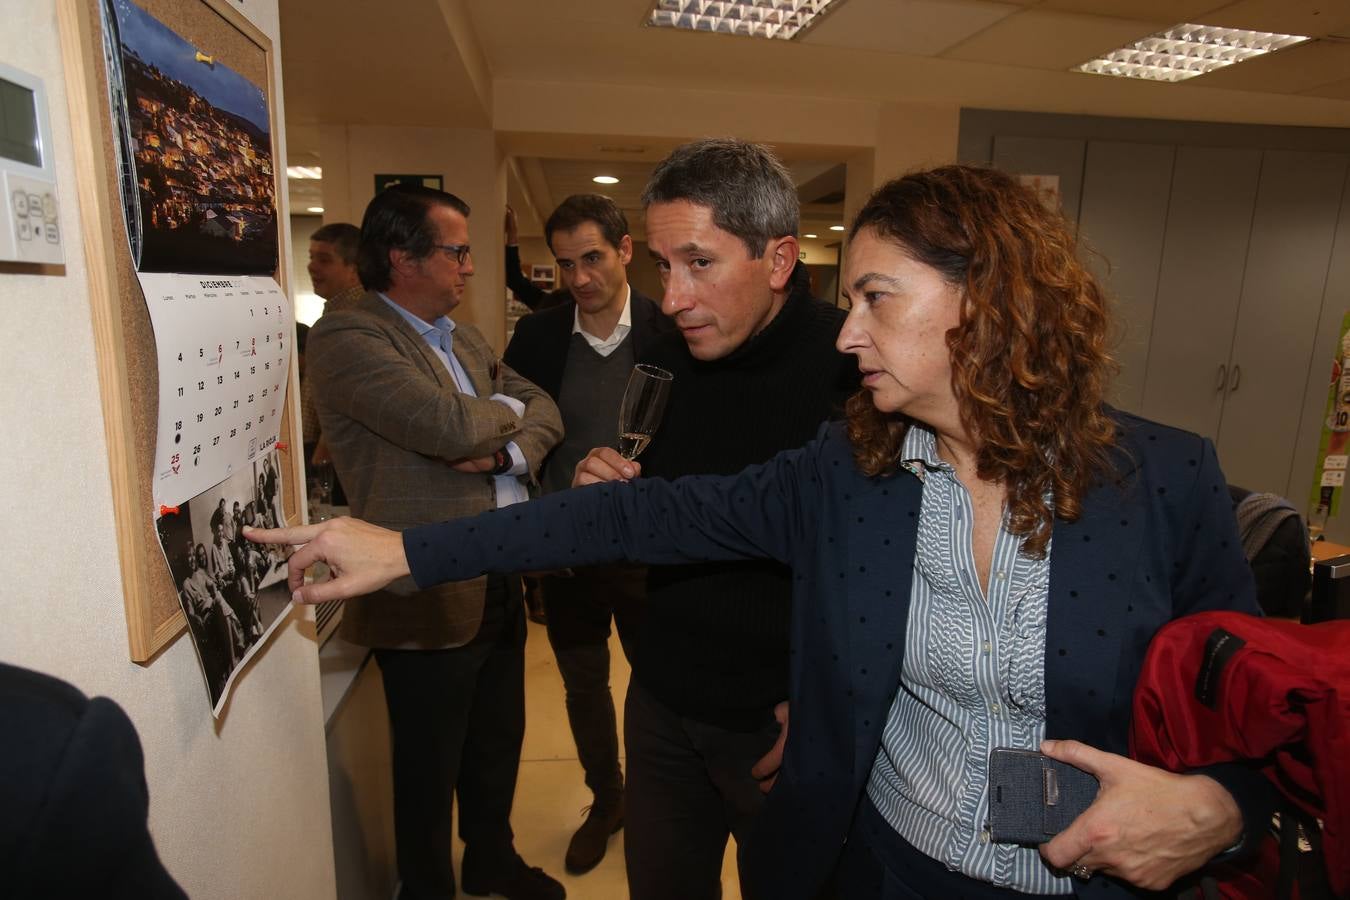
(30, 224)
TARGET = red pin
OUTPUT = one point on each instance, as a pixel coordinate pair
(168, 510)
(282, 445)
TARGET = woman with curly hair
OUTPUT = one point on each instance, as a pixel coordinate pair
(980, 555)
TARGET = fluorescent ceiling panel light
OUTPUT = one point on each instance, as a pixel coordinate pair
(774, 19)
(314, 209)
(1187, 50)
(808, 236)
(605, 179)
(836, 227)
(314, 172)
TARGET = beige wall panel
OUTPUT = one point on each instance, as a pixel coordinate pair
(227, 800)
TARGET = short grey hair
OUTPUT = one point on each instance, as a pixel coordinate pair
(748, 189)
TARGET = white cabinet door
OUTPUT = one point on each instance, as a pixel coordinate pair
(1209, 219)
(1121, 226)
(1335, 304)
(1291, 238)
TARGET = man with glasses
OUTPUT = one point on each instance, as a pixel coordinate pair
(424, 425)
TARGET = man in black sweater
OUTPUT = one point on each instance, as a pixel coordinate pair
(582, 353)
(756, 372)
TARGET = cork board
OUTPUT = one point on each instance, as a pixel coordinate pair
(123, 336)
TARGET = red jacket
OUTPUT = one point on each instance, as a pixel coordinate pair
(1219, 687)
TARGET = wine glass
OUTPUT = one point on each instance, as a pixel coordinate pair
(643, 403)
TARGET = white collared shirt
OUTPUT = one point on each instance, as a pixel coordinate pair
(607, 345)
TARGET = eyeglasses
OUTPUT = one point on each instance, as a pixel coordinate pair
(459, 251)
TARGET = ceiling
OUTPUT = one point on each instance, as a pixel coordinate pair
(412, 62)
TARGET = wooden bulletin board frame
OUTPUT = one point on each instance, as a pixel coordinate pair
(124, 339)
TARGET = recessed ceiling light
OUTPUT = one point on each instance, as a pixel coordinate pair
(836, 227)
(778, 19)
(605, 179)
(1186, 50)
(314, 172)
(314, 209)
(808, 235)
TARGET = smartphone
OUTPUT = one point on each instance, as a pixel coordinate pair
(1032, 797)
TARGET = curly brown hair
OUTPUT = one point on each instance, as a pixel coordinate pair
(1030, 364)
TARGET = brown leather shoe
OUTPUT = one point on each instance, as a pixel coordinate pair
(589, 844)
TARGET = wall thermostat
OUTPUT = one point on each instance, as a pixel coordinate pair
(32, 230)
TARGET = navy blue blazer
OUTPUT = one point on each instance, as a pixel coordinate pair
(75, 802)
(1156, 541)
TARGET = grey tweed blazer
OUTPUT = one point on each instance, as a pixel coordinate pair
(394, 420)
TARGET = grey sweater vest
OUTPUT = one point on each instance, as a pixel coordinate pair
(588, 397)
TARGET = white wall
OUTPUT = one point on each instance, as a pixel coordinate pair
(308, 305)
(472, 168)
(239, 808)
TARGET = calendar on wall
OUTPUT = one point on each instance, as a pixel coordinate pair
(173, 116)
(224, 347)
(196, 331)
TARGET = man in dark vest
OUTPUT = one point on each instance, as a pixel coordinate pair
(582, 352)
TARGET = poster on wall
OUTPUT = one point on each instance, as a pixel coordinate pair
(1046, 188)
(1333, 452)
(198, 186)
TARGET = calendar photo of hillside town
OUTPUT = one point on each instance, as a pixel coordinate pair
(200, 145)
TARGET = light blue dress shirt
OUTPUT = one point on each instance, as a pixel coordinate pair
(439, 336)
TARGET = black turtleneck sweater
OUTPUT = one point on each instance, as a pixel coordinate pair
(714, 642)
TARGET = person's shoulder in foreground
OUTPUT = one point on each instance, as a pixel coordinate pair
(73, 822)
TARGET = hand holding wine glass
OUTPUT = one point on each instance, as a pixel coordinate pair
(644, 402)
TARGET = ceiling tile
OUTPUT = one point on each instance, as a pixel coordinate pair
(1337, 90)
(1050, 40)
(1170, 11)
(919, 27)
(572, 176)
(1287, 71)
(1311, 17)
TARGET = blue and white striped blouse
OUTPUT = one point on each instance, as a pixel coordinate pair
(973, 679)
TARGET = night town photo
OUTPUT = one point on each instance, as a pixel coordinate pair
(201, 149)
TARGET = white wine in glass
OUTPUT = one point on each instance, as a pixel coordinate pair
(644, 401)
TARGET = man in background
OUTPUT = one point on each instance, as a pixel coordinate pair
(332, 265)
(582, 353)
(424, 425)
(333, 272)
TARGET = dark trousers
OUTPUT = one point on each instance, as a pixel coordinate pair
(457, 719)
(878, 864)
(689, 788)
(579, 609)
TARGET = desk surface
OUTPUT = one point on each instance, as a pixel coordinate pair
(1327, 550)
